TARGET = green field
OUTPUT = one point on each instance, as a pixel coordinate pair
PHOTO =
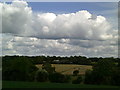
(16, 84)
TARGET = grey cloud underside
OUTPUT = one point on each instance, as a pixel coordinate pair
(14, 45)
(28, 33)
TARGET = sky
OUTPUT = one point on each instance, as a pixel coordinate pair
(59, 28)
(66, 0)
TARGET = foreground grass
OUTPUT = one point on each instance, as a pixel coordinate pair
(16, 84)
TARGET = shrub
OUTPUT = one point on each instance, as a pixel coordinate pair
(102, 73)
(41, 76)
(75, 73)
(18, 69)
(59, 78)
(48, 67)
(116, 77)
(78, 80)
(67, 78)
(88, 77)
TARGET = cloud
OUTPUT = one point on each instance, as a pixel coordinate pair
(15, 45)
(19, 19)
(26, 32)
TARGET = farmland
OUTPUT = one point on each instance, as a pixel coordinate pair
(22, 69)
(68, 69)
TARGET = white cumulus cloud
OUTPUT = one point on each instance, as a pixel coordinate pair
(26, 32)
(19, 19)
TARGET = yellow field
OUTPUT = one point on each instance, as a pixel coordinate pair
(69, 68)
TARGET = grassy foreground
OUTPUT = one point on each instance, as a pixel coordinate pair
(16, 84)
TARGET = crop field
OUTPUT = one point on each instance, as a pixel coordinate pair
(69, 68)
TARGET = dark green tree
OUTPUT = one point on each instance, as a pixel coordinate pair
(18, 69)
(75, 72)
(48, 67)
(41, 76)
(102, 72)
(59, 78)
(78, 80)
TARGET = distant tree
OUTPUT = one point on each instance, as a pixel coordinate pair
(89, 77)
(41, 76)
(78, 80)
(116, 75)
(102, 72)
(59, 78)
(18, 69)
(48, 67)
(67, 79)
(75, 72)
(118, 62)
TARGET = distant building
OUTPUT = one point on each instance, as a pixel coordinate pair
(56, 61)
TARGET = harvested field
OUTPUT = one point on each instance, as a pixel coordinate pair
(69, 68)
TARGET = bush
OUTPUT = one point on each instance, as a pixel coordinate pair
(78, 80)
(59, 78)
(116, 77)
(88, 77)
(67, 78)
(75, 73)
(48, 67)
(101, 74)
(18, 69)
(41, 76)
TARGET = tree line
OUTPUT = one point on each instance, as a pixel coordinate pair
(80, 60)
(105, 71)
